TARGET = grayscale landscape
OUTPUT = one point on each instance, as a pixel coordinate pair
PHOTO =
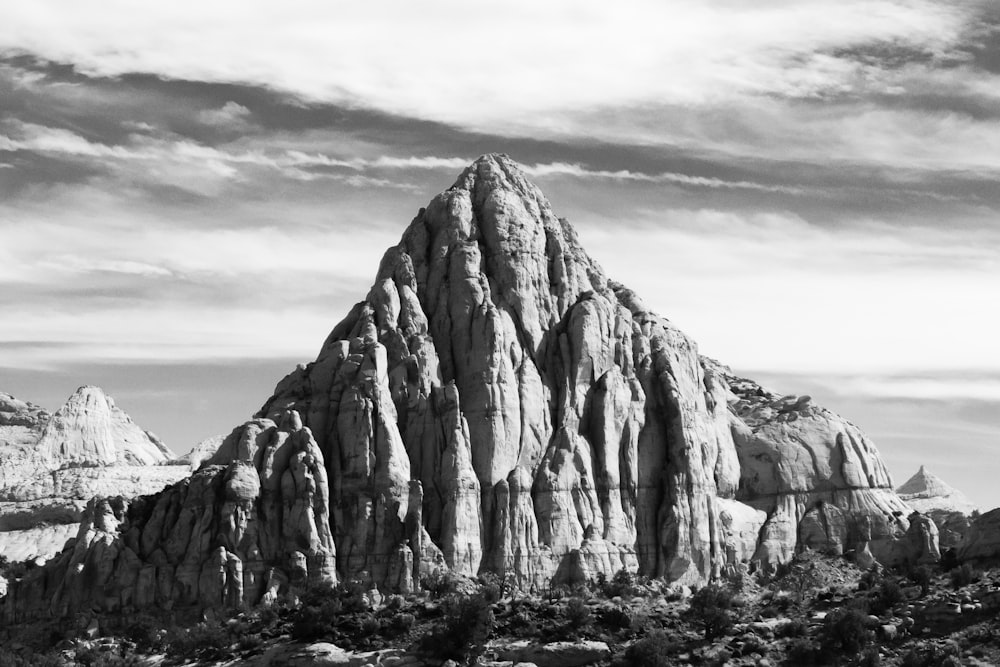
(553, 335)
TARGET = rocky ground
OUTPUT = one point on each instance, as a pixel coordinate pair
(818, 610)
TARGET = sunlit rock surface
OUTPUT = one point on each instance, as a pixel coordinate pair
(495, 403)
(51, 465)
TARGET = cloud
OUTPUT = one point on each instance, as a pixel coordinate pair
(231, 116)
(528, 67)
(579, 171)
(772, 291)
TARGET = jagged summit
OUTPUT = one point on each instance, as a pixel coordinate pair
(495, 404)
(89, 429)
(926, 492)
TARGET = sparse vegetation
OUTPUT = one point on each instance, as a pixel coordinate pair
(711, 607)
(655, 650)
(846, 631)
(750, 620)
(963, 575)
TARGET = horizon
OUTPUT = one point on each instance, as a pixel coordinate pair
(192, 197)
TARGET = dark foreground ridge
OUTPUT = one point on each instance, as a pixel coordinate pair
(495, 404)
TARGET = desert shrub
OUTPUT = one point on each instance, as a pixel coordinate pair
(654, 650)
(870, 657)
(204, 641)
(618, 617)
(803, 652)
(949, 560)
(792, 628)
(869, 580)
(622, 584)
(463, 632)
(145, 632)
(753, 644)
(711, 608)
(931, 655)
(324, 607)
(846, 631)
(921, 575)
(963, 575)
(887, 595)
(495, 586)
(440, 583)
(578, 615)
(401, 624)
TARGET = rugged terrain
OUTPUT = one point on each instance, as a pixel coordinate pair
(496, 404)
(52, 464)
(814, 610)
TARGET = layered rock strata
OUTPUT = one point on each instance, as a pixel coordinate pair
(495, 403)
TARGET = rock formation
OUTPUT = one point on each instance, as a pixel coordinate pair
(982, 540)
(53, 464)
(495, 403)
(948, 507)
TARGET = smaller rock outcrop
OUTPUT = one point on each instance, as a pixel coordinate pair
(948, 507)
(52, 464)
(91, 430)
(926, 492)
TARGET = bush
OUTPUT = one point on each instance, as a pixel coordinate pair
(401, 624)
(887, 595)
(494, 586)
(963, 575)
(792, 628)
(623, 584)
(578, 615)
(617, 618)
(931, 655)
(440, 583)
(802, 652)
(323, 608)
(462, 635)
(145, 632)
(846, 631)
(870, 657)
(949, 560)
(710, 607)
(204, 641)
(654, 650)
(869, 580)
(921, 576)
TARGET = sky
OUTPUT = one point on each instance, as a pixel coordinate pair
(193, 194)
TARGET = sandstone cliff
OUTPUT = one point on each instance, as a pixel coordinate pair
(53, 464)
(495, 403)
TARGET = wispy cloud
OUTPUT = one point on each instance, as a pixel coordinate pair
(579, 171)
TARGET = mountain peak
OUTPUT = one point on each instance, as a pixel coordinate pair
(926, 491)
(89, 429)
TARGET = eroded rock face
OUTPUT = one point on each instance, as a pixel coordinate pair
(230, 534)
(497, 404)
(818, 478)
(91, 430)
(51, 465)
